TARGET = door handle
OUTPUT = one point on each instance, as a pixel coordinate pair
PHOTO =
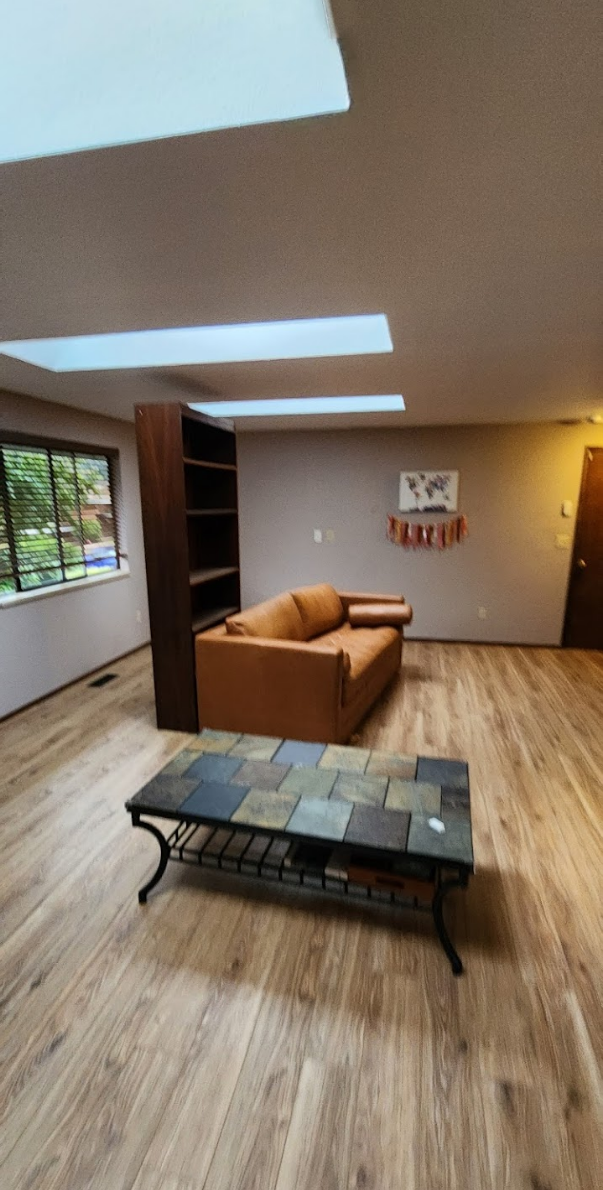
(581, 564)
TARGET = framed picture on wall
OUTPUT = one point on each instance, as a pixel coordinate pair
(429, 491)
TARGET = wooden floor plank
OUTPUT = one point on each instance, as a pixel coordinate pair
(250, 1147)
(317, 1149)
(228, 1038)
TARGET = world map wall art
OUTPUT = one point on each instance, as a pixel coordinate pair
(428, 491)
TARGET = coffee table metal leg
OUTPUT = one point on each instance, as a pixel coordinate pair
(438, 916)
(163, 857)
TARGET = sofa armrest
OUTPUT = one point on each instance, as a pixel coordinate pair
(269, 687)
(348, 597)
(376, 615)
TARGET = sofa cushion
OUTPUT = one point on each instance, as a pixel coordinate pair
(371, 651)
(276, 619)
(363, 649)
(339, 638)
(320, 609)
(365, 645)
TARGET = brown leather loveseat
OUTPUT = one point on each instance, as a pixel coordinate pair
(295, 667)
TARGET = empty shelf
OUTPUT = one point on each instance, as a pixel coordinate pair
(211, 512)
(208, 619)
(197, 577)
(211, 466)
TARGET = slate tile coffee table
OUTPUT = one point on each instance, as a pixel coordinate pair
(347, 820)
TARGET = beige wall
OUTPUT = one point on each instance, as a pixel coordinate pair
(48, 642)
(513, 480)
(512, 483)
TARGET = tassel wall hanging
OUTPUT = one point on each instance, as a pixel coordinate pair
(416, 536)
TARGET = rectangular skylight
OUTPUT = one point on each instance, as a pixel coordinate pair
(81, 75)
(362, 334)
(301, 405)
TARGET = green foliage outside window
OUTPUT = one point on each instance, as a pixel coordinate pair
(58, 506)
(92, 530)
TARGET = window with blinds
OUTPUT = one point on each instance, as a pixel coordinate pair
(57, 515)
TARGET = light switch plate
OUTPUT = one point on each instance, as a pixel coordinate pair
(318, 536)
(567, 508)
(330, 535)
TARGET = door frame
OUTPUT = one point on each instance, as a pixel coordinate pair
(587, 450)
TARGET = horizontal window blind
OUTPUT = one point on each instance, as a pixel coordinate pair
(57, 516)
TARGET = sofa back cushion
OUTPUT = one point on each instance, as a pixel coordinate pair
(277, 619)
(320, 609)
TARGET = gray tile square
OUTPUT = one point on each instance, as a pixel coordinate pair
(164, 793)
(260, 774)
(309, 782)
(265, 808)
(256, 747)
(320, 819)
(214, 741)
(350, 760)
(354, 787)
(216, 802)
(179, 763)
(403, 795)
(208, 767)
(453, 795)
(454, 845)
(298, 752)
(453, 773)
(430, 799)
(370, 826)
(385, 764)
(455, 805)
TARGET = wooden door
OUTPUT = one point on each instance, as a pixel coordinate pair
(584, 612)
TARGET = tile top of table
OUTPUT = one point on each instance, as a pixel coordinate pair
(355, 795)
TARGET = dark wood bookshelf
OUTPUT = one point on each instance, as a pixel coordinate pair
(188, 484)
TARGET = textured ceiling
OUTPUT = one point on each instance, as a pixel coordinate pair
(459, 195)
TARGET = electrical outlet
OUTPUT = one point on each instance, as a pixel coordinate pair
(482, 613)
(139, 616)
(318, 536)
(563, 541)
(330, 535)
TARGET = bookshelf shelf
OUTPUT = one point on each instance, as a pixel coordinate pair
(212, 512)
(209, 619)
(209, 466)
(198, 577)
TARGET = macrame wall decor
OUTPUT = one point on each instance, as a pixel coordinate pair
(411, 535)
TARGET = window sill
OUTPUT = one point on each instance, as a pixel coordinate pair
(78, 584)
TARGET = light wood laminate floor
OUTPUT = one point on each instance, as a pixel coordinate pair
(219, 1039)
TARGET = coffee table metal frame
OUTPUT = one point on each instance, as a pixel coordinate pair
(179, 846)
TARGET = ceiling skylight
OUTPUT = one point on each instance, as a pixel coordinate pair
(300, 405)
(81, 75)
(362, 334)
